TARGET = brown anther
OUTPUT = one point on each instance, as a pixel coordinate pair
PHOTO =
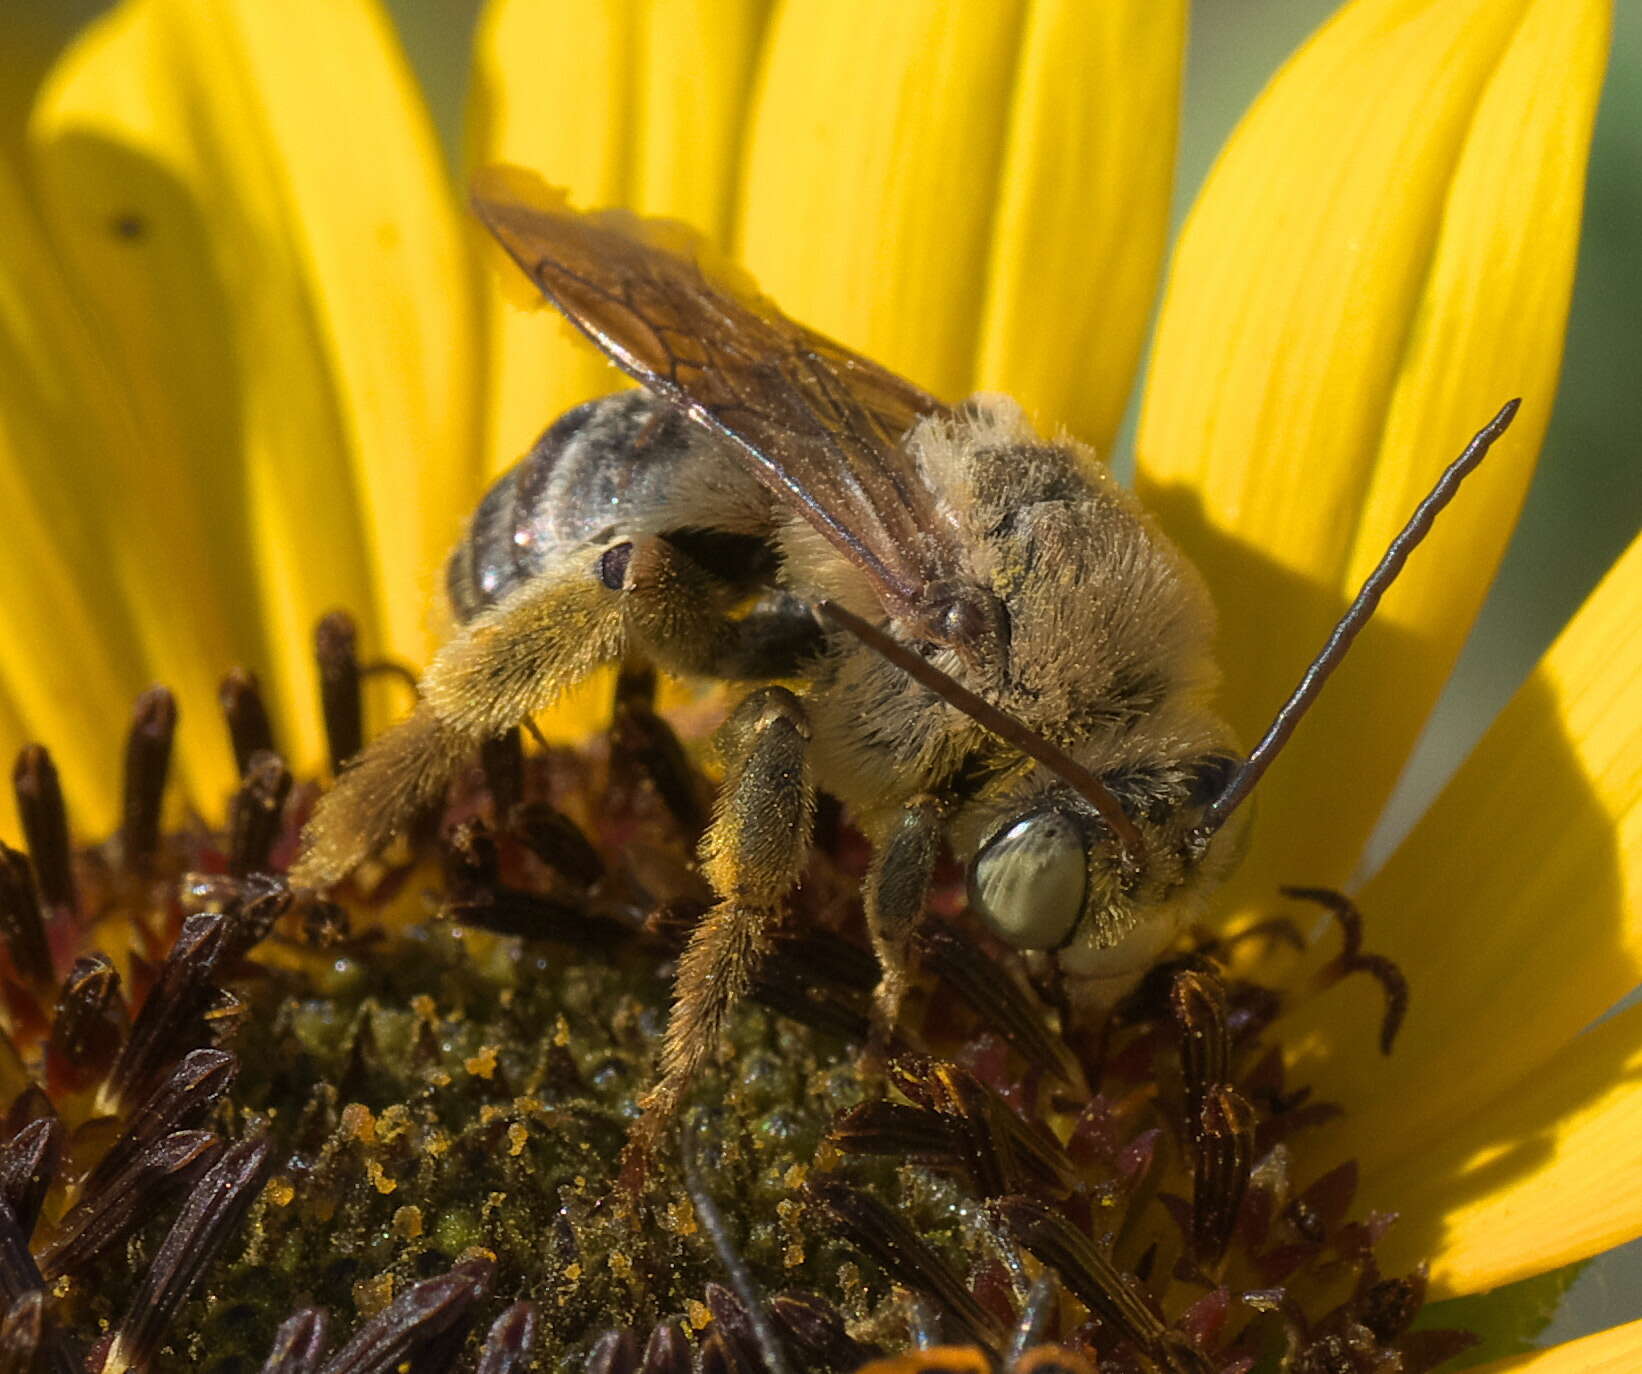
(904, 1255)
(1198, 1002)
(914, 1135)
(558, 842)
(28, 1166)
(666, 1352)
(300, 1343)
(510, 1342)
(172, 1018)
(148, 747)
(815, 1331)
(414, 1327)
(128, 1199)
(210, 1215)
(249, 730)
(261, 900)
(21, 926)
(45, 826)
(503, 760)
(88, 1028)
(996, 997)
(256, 813)
(1089, 1274)
(1220, 1169)
(183, 1100)
(645, 753)
(22, 1333)
(472, 865)
(341, 705)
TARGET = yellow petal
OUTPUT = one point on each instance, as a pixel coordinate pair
(553, 86)
(878, 134)
(1515, 905)
(72, 660)
(1545, 1175)
(696, 61)
(1082, 209)
(1381, 257)
(328, 318)
(1615, 1351)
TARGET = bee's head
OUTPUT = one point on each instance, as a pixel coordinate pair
(1052, 875)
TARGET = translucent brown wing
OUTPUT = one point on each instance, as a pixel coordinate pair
(818, 424)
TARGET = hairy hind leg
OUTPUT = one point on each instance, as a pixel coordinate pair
(754, 854)
(503, 667)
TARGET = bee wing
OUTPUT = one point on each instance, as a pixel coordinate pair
(818, 424)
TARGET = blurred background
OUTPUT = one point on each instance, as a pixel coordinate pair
(1586, 501)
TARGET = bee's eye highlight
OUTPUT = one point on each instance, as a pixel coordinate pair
(1028, 880)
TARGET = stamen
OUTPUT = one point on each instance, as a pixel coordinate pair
(28, 1168)
(171, 1021)
(21, 926)
(256, 813)
(128, 1200)
(418, 1325)
(1096, 1282)
(997, 998)
(646, 753)
(209, 1217)
(89, 1026)
(558, 842)
(1223, 1157)
(510, 1341)
(341, 704)
(300, 1343)
(183, 1100)
(147, 765)
(908, 1259)
(45, 827)
(249, 730)
(763, 1338)
(503, 761)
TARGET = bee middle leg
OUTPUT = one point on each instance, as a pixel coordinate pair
(753, 855)
(903, 858)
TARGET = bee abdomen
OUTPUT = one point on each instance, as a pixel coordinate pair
(609, 466)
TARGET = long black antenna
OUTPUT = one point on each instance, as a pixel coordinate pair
(1000, 723)
(1242, 782)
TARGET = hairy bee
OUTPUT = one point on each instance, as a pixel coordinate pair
(996, 648)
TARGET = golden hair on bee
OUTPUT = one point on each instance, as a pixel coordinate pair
(972, 637)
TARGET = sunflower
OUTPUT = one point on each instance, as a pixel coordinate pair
(255, 367)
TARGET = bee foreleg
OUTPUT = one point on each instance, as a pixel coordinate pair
(753, 855)
(897, 884)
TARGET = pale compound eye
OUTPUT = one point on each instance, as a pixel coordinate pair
(1028, 880)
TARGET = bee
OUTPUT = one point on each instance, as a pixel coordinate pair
(971, 635)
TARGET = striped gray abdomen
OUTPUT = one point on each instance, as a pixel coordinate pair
(608, 467)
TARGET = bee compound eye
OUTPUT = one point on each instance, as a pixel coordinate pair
(1027, 882)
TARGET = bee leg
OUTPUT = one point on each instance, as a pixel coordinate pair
(753, 855)
(897, 883)
(502, 667)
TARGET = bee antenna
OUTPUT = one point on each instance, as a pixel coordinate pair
(1242, 782)
(1000, 723)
